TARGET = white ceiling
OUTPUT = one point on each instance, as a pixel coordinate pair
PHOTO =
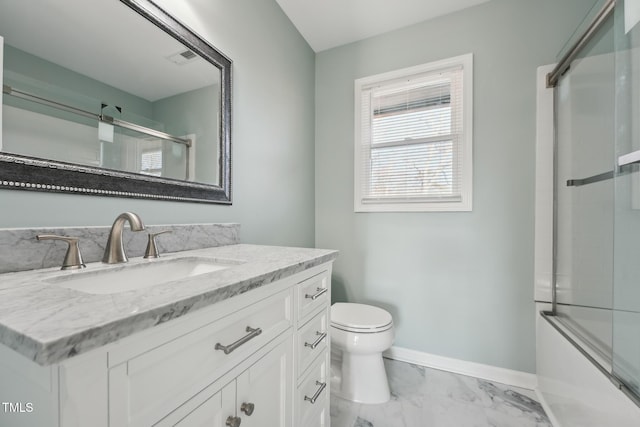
(330, 23)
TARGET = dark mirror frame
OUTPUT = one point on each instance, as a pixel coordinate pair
(36, 174)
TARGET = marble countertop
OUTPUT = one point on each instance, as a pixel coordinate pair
(48, 323)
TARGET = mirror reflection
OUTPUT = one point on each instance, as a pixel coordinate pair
(107, 90)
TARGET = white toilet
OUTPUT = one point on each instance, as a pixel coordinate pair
(359, 335)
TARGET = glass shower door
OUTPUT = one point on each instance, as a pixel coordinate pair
(585, 128)
(626, 296)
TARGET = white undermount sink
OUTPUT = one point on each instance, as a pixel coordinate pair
(145, 274)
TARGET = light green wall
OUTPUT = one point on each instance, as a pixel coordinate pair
(194, 112)
(273, 136)
(65, 85)
(457, 284)
(69, 140)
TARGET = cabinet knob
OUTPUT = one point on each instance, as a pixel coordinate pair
(247, 408)
(233, 422)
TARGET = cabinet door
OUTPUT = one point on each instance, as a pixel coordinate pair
(265, 389)
(213, 412)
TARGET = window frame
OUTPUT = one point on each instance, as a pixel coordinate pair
(465, 144)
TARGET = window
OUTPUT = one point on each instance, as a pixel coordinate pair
(413, 138)
(151, 162)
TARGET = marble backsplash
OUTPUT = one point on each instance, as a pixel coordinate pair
(20, 250)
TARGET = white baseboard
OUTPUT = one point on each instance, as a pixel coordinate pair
(457, 366)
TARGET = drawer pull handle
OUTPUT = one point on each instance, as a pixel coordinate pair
(321, 291)
(322, 335)
(247, 408)
(233, 422)
(229, 348)
(318, 393)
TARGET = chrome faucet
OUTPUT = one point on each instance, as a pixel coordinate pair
(114, 251)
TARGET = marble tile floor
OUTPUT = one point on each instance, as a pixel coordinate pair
(424, 397)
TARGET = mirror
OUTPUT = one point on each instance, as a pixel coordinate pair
(112, 98)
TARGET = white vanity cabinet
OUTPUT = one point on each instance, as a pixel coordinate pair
(256, 359)
(312, 351)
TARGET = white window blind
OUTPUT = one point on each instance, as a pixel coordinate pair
(412, 146)
(151, 162)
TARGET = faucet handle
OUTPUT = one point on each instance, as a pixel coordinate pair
(73, 257)
(152, 248)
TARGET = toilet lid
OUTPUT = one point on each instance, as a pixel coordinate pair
(359, 316)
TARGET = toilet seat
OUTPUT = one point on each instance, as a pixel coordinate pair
(360, 318)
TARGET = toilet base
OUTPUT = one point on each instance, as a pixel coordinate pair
(360, 378)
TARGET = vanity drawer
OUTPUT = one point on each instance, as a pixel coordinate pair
(312, 294)
(313, 392)
(146, 387)
(312, 340)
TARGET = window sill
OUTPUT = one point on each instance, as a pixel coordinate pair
(462, 206)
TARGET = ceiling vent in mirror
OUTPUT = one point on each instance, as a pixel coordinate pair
(182, 57)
